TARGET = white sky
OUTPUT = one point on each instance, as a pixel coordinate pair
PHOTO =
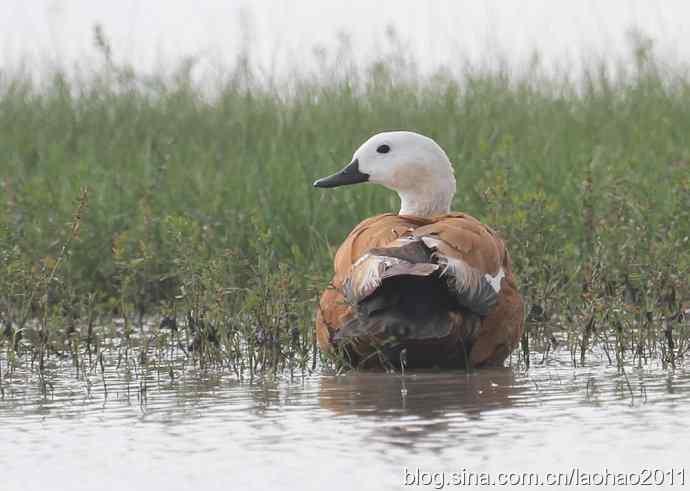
(154, 33)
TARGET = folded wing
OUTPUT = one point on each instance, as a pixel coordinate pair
(418, 278)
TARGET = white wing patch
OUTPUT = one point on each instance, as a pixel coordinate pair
(495, 281)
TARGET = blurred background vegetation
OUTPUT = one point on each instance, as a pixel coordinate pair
(133, 198)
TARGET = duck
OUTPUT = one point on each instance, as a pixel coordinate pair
(424, 287)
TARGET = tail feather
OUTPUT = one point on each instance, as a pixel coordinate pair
(417, 314)
(407, 308)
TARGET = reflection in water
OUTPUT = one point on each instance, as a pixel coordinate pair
(207, 431)
(428, 395)
(416, 407)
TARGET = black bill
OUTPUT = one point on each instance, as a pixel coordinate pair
(349, 175)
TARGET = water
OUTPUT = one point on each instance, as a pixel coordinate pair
(348, 432)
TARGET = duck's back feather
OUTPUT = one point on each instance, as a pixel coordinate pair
(393, 264)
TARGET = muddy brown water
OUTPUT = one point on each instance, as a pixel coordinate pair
(358, 431)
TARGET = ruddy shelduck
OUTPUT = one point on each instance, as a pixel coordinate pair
(426, 286)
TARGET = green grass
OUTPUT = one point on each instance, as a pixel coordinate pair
(200, 208)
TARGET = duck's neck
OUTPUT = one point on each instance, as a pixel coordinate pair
(427, 201)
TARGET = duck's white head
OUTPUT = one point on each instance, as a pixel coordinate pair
(413, 165)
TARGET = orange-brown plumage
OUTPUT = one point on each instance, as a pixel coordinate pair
(465, 238)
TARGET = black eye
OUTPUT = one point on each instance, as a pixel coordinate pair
(383, 149)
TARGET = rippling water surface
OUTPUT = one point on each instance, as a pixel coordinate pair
(358, 431)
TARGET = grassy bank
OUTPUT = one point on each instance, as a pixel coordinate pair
(136, 198)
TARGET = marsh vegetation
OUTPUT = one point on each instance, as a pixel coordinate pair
(146, 222)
